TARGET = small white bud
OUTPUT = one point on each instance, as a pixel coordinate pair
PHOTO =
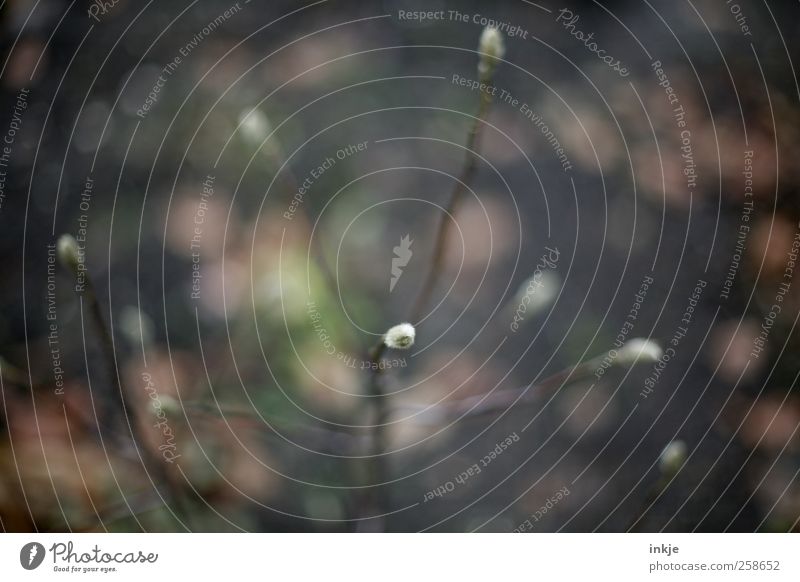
(68, 252)
(639, 350)
(167, 404)
(541, 289)
(491, 47)
(400, 337)
(136, 326)
(672, 457)
(254, 125)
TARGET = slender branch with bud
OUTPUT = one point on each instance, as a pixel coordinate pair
(670, 462)
(491, 49)
(636, 351)
(69, 255)
(117, 403)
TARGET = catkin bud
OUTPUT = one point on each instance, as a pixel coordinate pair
(491, 48)
(136, 326)
(400, 337)
(672, 458)
(255, 125)
(67, 248)
(168, 404)
(538, 292)
(639, 350)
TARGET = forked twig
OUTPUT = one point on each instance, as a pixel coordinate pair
(491, 49)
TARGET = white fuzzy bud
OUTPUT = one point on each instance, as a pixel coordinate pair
(165, 404)
(136, 326)
(639, 350)
(254, 125)
(672, 457)
(400, 337)
(540, 290)
(67, 248)
(491, 47)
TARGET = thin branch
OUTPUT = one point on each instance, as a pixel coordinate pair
(378, 471)
(502, 400)
(374, 500)
(119, 401)
(456, 197)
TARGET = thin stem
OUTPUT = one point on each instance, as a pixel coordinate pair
(378, 470)
(501, 400)
(119, 402)
(456, 197)
(376, 498)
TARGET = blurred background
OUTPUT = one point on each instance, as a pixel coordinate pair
(241, 178)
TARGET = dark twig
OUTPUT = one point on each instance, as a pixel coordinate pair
(632, 353)
(376, 498)
(119, 402)
(501, 400)
(378, 466)
(456, 197)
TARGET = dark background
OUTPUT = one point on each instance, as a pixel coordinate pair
(267, 423)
